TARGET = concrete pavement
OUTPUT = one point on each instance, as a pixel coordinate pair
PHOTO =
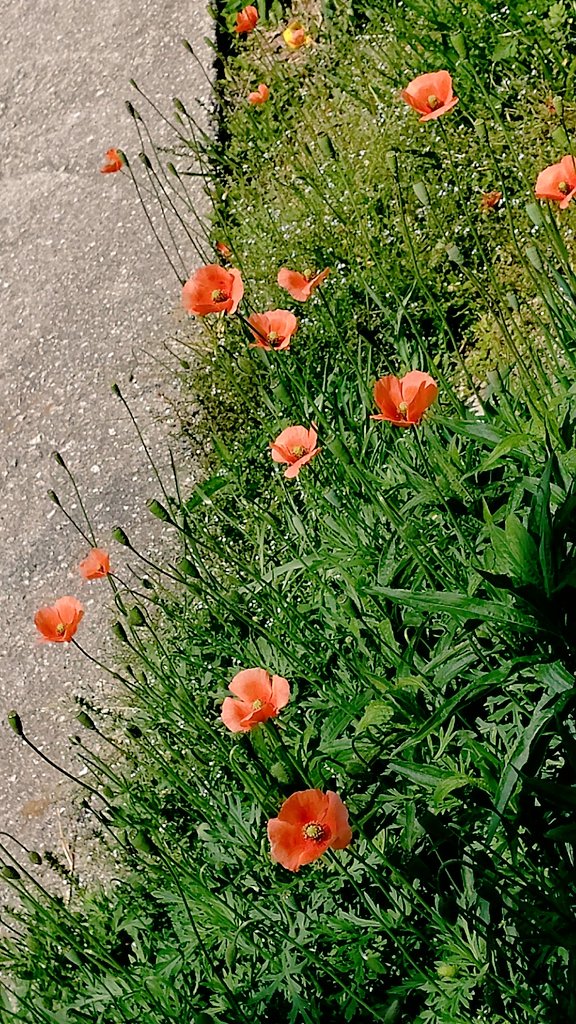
(86, 299)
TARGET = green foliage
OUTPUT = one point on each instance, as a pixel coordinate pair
(416, 587)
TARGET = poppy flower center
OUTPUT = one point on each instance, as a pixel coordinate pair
(298, 450)
(433, 102)
(219, 296)
(403, 408)
(273, 336)
(257, 704)
(563, 187)
(315, 831)
(60, 629)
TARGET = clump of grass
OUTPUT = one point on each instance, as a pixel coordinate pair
(414, 586)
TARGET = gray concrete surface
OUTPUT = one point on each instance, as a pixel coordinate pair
(86, 299)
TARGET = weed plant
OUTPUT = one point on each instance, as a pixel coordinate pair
(414, 586)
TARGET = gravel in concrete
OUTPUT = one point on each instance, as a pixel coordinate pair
(86, 299)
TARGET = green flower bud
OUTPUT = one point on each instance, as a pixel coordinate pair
(187, 568)
(159, 511)
(9, 873)
(143, 843)
(136, 617)
(15, 723)
(120, 632)
(120, 536)
(392, 161)
(85, 720)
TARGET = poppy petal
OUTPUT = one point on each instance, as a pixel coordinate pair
(337, 821)
(304, 806)
(252, 684)
(234, 714)
(280, 692)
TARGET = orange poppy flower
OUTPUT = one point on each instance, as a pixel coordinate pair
(273, 330)
(309, 823)
(296, 446)
(431, 95)
(295, 36)
(247, 19)
(261, 696)
(558, 182)
(224, 250)
(95, 565)
(490, 200)
(404, 401)
(213, 289)
(58, 622)
(260, 96)
(300, 286)
(114, 162)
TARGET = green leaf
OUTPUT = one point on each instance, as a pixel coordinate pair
(515, 551)
(279, 772)
(513, 443)
(203, 492)
(540, 524)
(460, 606)
(545, 709)
(562, 834)
(505, 48)
(377, 713)
(443, 789)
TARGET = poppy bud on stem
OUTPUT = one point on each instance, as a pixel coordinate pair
(54, 497)
(422, 193)
(392, 161)
(9, 873)
(144, 844)
(159, 511)
(85, 720)
(15, 723)
(136, 617)
(120, 632)
(459, 43)
(132, 111)
(122, 537)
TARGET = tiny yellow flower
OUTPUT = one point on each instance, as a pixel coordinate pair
(295, 36)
